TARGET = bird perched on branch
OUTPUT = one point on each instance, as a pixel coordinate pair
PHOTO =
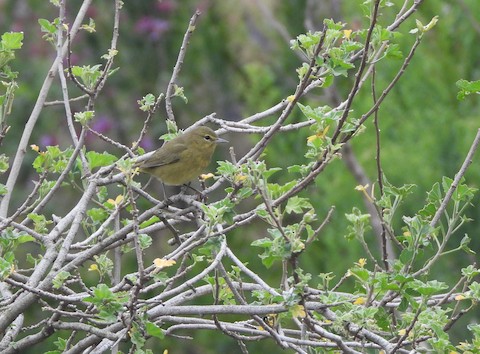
(183, 158)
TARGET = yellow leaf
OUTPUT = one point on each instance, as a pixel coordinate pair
(290, 98)
(35, 148)
(206, 176)
(320, 135)
(161, 263)
(347, 33)
(407, 234)
(361, 188)
(432, 23)
(361, 262)
(240, 178)
(402, 332)
(460, 297)
(118, 200)
(324, 132)
(298, 311)
(360, 301)
(165, 351)
(271, 319)
(93, 267)
(136, 171)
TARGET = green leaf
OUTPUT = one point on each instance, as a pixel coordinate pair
(328, 81)
(463, 193)
(49, 28)
(3, 189)
(40, 222)
(3, 163)
(11, 41)
(109, 304)
(467, 88)
(268, 173)
(393, 51)
(84, 117)
(179, 92)
(88, 74)
(147, 102)
(53, 159)
(137, 337)
(161, 278)
(61, 343)
(474, 291)
(100, 292)
(361, 273)
(32, 260)
(90, 28)
(110, 55)
(263, 242)
(382, 319)
(154, 330)
(24, 238)
(470, 272)
(149, 222)
(406, 256)
(105, 264)
(276, 190)
(317, 113)
(464, 245)
(428, 288)
(96, 159)
(97, 215)
(145, 241)
(7, 265)
(360, 223)
(60, 278)
(297, 204)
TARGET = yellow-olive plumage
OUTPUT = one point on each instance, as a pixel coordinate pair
(183, 158)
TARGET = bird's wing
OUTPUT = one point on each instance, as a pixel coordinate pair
(163, 156)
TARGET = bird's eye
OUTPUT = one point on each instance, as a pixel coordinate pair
(208, 137)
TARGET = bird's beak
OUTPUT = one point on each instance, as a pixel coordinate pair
(221, 141)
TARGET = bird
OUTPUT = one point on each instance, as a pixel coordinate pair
(182, 159)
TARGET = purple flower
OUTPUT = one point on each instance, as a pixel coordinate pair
(147, 144)
(103, 124)
(48, 140)
(152, 27)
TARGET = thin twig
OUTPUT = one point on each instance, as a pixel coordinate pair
(62, 102)
(358, 75)
(178, 65)
(443, 206)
